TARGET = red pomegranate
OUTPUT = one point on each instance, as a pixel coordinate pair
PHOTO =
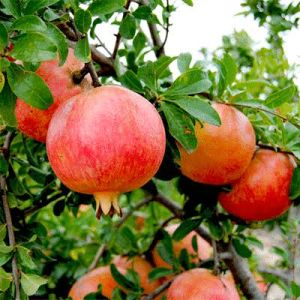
(201, 284)
(104, 142)
(262, 192)
(89, 283)
(223, 152)
(34, 122)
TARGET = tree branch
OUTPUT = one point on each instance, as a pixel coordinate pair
(242, 274)
(157, 43)
(158, 291)
(118, 37)
(11, 236)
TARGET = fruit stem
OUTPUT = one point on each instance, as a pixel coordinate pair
(107, 203)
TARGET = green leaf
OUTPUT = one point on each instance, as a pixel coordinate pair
(58, 38)
(215, 230)
(7, 106)
(5, 249)
(34, 5)
(184, 61)
(5, 257)
(34, 47)
(130, 80)
(128, 27)
(165, 250)
(241, 248)
(160, 272)
(280, 97)
(139, 42)
(29, 23)
(295, 185)
(162, 64)
(126, 239)
(12, 7)
(2, 81)
(83, 20)
(5, 280)
(104, 7)
(295, 289)
(121, 279)
(31, 283)
(143, 12)
(3, 37)
(190, 82)
(3, 232)
(29, 87)
(188, 2)
(82, 50)
(185, 228)
(199, 109)
(3, 165)
(180, 125)
(230, 67)
(147, 74)
(25, 258)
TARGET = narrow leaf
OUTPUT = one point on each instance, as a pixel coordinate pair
(180, 125)
(83, 20)
(5, 280)
(104, 7)
(29, 87)
(190, 82)
(3, 37)
(280, 97)
(29, 23)
(7, 106)
(130, 80)
(31, 283)
(199, 109)
(82, 50)
(295, 185)
(185, 228)
(128, 27)
(158, 273)
(184, 61)
(34, 5)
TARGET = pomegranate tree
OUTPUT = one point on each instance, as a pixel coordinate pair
(104, 142)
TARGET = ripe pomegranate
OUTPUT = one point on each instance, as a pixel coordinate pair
(223, 153)
(199, 284)
(34, 122)
(262, 192)
(142, 267)
(204, 248)
(89, 283)
(106, 141)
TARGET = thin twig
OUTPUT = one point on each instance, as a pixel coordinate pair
(93, 74)
(216, 270)
(118, 36)
(101, 44)
(167, 27)
(11, 235)
(158, 291)
(266, 111)
(117, 225)
(156, 40)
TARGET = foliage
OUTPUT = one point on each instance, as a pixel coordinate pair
(56, 239)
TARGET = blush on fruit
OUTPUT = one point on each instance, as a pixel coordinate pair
(262, 193)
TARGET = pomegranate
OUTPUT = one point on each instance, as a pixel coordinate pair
(89, 283)
(204, 248)
(104, 142)
(223, 153)
(34, 122)
(142, 267)
(262, 192)
(197, 284)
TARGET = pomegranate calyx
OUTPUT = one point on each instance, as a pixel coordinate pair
(107, 204)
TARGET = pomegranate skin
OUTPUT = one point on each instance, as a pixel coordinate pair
(107, 140)
(34, 122)
(262, 193)
(199, 284)
(89, 283)
(223, 153)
